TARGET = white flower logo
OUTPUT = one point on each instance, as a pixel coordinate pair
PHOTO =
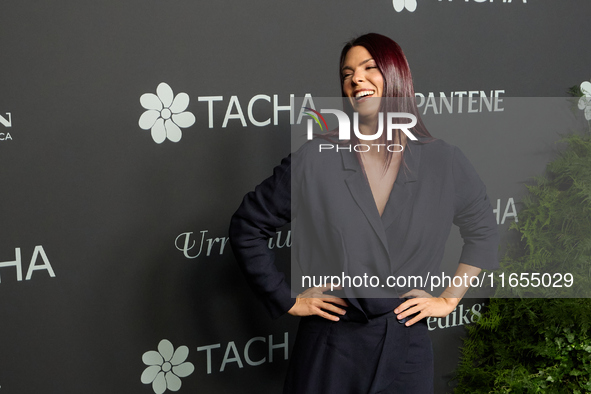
(585, 101)
(166, 366)
(399, 5)
(165, 114)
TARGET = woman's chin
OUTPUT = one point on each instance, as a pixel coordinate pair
(367, 105)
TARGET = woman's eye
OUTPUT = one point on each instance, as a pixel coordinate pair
(345, 76)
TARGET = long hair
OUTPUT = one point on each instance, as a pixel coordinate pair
(393, 65)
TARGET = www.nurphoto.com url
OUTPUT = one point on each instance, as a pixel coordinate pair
(485, 279)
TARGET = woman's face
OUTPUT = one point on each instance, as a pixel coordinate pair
(363, 82)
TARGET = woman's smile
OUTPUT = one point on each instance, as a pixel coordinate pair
(362, 94)
(362, 81)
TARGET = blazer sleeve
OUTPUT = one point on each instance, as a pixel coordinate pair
(474, 216)
(262, 211)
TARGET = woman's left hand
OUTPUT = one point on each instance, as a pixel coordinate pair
(425, 305)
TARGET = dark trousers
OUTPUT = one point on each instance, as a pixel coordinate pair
(356, 356)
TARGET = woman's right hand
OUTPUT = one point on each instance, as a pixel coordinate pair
(313, 301)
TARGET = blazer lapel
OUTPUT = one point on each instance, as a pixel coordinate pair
(361, 192)
(401, 194)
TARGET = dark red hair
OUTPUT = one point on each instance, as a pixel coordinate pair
(393, 65)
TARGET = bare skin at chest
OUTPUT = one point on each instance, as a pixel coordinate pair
(381, 181)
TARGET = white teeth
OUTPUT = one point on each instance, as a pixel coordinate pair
(364, 93)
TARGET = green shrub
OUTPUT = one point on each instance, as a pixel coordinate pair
(541, 345)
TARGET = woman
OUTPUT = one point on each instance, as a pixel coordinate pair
(379, 211)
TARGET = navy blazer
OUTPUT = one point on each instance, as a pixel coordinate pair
(339, 230)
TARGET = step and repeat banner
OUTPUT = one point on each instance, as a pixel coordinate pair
(131, 130)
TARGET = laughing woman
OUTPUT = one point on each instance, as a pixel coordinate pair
(387, 212)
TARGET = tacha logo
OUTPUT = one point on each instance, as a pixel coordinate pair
(345, 129)
(166, 366)
(400, 5)
(411, 5)
(165, 115)
(585, 100)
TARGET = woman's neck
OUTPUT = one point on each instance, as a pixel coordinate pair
(378, 147)
(368, 125)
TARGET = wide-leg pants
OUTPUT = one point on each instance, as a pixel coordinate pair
(353, 356)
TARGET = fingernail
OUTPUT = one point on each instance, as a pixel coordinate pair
(395, 310)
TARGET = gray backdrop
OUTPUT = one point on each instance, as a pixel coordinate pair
(112, 243)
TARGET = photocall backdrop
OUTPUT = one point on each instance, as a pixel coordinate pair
(130, 131)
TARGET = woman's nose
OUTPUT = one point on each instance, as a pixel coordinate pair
(357, 77)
